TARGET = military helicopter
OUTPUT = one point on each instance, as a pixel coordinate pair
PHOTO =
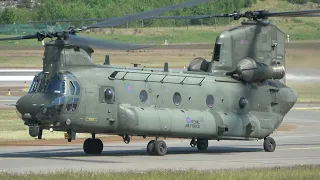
(239, 95)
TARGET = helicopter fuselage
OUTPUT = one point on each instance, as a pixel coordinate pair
(172, 104)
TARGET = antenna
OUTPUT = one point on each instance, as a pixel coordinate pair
(107, 60)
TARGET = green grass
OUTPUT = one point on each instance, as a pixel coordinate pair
(279, 173)
(308, 92)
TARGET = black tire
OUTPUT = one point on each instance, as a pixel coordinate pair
(160, 148)
(202, 144)
(150, 147)
(269, 144)
(87, 146)
(97, 146)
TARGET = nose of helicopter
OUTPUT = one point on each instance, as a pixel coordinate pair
(29, 104)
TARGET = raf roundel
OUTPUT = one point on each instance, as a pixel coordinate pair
(188, 120)
(129, 88)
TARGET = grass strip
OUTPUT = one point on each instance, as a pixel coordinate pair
(293, 173)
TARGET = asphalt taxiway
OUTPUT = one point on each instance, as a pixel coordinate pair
(300, 145)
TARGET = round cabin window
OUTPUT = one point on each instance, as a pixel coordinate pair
(243, 102)
(177, 99)
(143, 96)
(210, 101)
(108, 94)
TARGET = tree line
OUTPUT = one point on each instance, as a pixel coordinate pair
(78, 9)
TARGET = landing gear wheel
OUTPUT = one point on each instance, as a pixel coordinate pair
(87, 146)
(92, 146)
(98, 146)
(150, 147)
(202, 144)
(160, 148)
(269, 144)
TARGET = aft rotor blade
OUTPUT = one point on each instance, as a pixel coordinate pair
(144, 15)
(308, 15)
(304, 13)
(80, 40)
(31, 36)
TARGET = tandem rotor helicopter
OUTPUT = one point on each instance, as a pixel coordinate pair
(239, 95)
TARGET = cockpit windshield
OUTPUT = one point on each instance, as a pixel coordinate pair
(55, 85)
(41, 83)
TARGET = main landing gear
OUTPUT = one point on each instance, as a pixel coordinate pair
(269, 144)
(157, 147)
(202, 144)
(92, 145)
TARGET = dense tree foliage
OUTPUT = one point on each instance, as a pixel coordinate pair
(303, 1)
(75, 9)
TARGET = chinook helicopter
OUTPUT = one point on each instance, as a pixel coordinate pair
(239, 95)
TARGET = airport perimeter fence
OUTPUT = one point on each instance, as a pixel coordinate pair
(21, 29)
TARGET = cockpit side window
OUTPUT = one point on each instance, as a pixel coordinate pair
(72, 88)
(216, 53)
(76, 84)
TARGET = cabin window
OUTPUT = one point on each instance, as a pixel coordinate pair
(216, 53)
(243, 102)
(109, 95)
(210, 101)
(143, 96)
(177, 99)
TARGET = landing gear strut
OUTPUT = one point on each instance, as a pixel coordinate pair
(92, 145)
(269, 144)
(157, 148)
(40, 133)
(126, 139)
(193, 143)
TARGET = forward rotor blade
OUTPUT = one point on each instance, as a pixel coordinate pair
(144, 15)
(80, 40)
(31, 36)
(149, 18)
(185, 17)
(71, 20)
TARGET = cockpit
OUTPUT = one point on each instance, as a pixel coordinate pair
(55, 94)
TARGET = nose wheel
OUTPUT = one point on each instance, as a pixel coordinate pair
(269, 144)
(92, 146)
(157, 148)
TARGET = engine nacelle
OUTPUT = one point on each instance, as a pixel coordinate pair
(252, 71)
